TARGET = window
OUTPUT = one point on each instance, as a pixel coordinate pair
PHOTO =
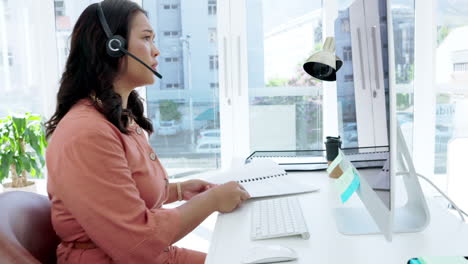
(28, 78)
(171, 33)
(212, 35)
(347, 55)
(348, 78)
(198, 108)
(212, 7)
(345, 25)
(280, 37)
(171, 59)
(8, 60)
(213, 62)
(168, 86)
(59, 8)
(172, 6)
(451, 62)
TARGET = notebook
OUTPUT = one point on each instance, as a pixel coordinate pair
(262, 178)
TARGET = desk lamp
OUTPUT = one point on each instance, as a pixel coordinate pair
(324, 64)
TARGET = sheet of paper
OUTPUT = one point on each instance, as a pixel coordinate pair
(262, 177)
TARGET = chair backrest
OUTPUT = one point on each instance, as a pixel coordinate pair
(26, 233)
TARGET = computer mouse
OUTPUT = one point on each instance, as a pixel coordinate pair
(269, 254)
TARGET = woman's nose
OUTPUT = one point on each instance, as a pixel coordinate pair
(155, 51)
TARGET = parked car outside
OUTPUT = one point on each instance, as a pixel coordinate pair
(208, 146)
(214, 134)
(168, 128)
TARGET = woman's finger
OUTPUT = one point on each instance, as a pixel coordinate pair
(241, 187)
(245, 196)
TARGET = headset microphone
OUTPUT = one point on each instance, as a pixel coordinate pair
(116, 45)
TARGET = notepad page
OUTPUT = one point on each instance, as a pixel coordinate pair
(263, 177)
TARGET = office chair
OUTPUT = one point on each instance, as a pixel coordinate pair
(26, 233)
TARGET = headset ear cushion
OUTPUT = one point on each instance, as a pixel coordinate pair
(114, 44)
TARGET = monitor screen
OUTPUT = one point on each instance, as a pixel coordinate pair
(363, 90)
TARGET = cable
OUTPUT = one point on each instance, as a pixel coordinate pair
(140, 61)
(460, 211)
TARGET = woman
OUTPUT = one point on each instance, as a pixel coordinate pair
(105, 182)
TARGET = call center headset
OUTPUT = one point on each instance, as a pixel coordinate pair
(116, 44)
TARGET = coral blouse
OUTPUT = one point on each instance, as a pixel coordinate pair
(107, 187)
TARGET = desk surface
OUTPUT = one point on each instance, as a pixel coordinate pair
(446, 234)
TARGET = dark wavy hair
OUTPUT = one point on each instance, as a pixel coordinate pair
(90, 71)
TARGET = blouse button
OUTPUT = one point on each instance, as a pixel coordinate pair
(138, 130)
(152, 156)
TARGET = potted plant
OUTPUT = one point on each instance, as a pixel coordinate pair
(22, 147)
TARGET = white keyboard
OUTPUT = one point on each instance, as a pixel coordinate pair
(278, 217)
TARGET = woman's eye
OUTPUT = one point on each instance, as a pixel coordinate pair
(147, 38)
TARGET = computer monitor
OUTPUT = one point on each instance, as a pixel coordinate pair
(364, 40)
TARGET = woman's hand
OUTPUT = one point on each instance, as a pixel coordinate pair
(229, 196)
(191, 188)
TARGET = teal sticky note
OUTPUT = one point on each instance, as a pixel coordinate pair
(444, 260)
(414, 261)
(335, 162)
(351, 188)
(343, 182)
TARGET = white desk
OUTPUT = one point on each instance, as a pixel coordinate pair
(446, 235)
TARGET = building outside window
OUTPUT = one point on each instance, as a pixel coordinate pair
(212, 35)
(347, 54)
(59, 7)
(213, 62)
(212, 7)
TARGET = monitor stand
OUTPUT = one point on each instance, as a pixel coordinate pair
(376, 218)
(414, 215)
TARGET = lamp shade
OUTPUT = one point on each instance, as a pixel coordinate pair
(324, 64)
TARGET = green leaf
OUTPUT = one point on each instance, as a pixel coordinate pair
(43, 139)
(26, 160)
(5, 161)
(34, 118)
(20, 125)
(35, 170)
(18, 164)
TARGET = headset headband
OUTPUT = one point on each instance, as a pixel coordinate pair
(104, 24)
